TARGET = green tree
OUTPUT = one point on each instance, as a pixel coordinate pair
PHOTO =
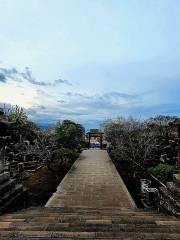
(20, 125)
(69, 134)
(62, 159)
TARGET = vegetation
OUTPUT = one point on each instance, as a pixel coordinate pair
(137, 145)
(163, 172)
(62, 159)
(60, 146)
(140, 149)
(20, 126)
(55, 150)
(69, 140)
(134, 143)
(119, 155)
(135, 140)
(69, 134)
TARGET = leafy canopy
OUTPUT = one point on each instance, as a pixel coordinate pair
(69, 134)
(20, 125)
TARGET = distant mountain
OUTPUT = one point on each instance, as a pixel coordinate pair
(89, 124)
(46, 125)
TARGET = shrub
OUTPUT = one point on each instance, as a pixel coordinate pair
(63, 158)
(118, 155)
(163, 172)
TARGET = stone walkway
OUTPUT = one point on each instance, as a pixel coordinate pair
(93, 182)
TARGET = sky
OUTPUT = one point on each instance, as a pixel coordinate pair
(90, 60)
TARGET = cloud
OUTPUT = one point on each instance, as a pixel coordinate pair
(119, 95)
(108, 100)
(42, 107)
(16, 75)
(62, 81)
(27, 74)
(61, 101)
(52, 103)
(2, 78)
(9, 73)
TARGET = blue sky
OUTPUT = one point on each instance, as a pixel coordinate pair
(89, 60)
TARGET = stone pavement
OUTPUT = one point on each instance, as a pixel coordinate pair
(93, 182)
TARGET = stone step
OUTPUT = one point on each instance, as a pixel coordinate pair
(115, 219)
(74, 218)
(44, 212)
(46, 235)
(81, 216)
(80, 223)
(92, 225)
(85, 211)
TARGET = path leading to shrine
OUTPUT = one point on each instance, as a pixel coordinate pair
(94, 182)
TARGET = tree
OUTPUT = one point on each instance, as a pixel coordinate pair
(159, 124)
(20, 126)
(131, 137)
(69, 134)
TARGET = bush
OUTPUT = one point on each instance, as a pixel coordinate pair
(62, 159)
(118, 155)
(163, 172)
(69, 134)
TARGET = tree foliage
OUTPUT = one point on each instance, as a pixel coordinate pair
(136, 139)
(69, 134)
(159, 124)
(20, 125)
(63, 158)
(69, 139)
(130, 136)
(163, 172)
